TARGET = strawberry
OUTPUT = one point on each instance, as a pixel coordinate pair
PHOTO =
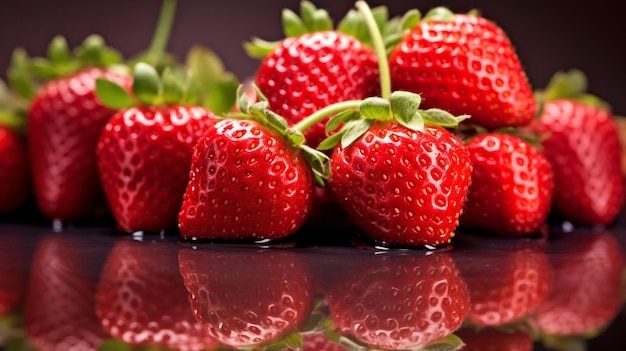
(400, 302)
(465, 64)
(15, 183)
(251, 178)
(399, 175)
(583, 146)
(481, 339)
(132, 306)
(144, 151)
(315, 66)
(59, 307)
(247, 298)
(514, 175)
(519, 278)
(588, 286)
(65, 119)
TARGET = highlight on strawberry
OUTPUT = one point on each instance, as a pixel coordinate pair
(144, 151)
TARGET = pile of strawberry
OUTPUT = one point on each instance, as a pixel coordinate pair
(408, 128)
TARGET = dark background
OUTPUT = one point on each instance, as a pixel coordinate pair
(548, 35)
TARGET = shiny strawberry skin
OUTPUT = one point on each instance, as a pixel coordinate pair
(141, 298)
(65, 120)
(144, 155)
(245, 183)
(247, 298)
(584, 149)
(513, 174)
(309, 72)
(400, 302)
(402, 186)
(15, 177)
(464, 66)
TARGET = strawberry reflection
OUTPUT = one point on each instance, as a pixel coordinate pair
(395, 301)
(16, 249)
(588, 290)
(141, 298)
(480, 339)
(59, 311)
(248, 296)
(507, 278)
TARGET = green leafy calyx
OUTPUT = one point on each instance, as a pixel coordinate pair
(401, 107)
(312, 19)
(217, 87)
(26, 74)
(171, 87)
(571, 85)
(13, 109)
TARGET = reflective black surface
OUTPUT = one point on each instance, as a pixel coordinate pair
(84, 286)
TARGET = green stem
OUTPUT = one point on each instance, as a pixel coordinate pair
(379, 48)
(325, 112)
(163, 28)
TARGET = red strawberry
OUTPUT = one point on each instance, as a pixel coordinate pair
(401, 182)
(519, 278)
(64, 122)
(588, 285)
(144, 155)
(584, 149)
(15, 181)
(398, 302)
(141, 298)
(59, 308)
(314, 68)
(250, 179)
(494, 339)
(250, 297)
(465, 64)
(511, 187)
